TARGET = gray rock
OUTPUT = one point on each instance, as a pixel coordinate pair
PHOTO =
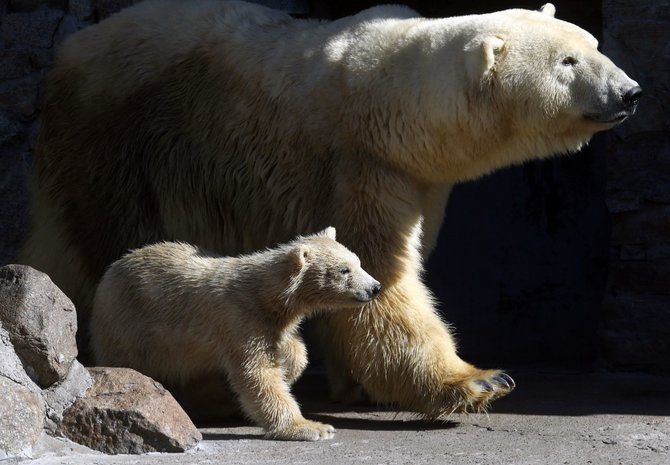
(41, 322)
(21, 418)
(105, 8)
(8, 129)
(62, 395)
(58, 447)
(82, 9)
(10, 364)
(125, 412)
(291, 6)
(15, 63)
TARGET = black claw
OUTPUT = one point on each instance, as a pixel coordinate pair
(485, 385)
(505, 380)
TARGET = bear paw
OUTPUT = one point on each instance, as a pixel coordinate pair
(467, 392)
(303, 430)
(483, 388)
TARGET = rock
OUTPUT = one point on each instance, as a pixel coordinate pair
(63, 449)
(14, 193)
(62, 395)
(8, 129)
(15, 64)
(10, 364)
(105, 8)
(41, 322)
(125, 412)
(82, 9)
(21, 418)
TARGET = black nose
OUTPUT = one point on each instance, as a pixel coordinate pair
(632, 96)
(376, 289)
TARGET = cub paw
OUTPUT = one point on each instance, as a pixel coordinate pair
(303, 430)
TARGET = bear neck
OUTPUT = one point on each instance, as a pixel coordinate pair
(268, 279)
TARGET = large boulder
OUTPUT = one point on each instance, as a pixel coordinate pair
(22, 413)
(125, 412)
(41, 322)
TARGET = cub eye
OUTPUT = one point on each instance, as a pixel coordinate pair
(345, 271)
(569, 61)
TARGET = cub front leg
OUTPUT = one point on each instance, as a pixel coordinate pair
(293, 358)
(264, 394)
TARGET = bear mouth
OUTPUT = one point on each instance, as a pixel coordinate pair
(609, 118)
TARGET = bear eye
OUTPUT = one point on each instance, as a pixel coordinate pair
(345, 271)
(569, 61)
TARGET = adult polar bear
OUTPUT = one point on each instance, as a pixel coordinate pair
(235, 127)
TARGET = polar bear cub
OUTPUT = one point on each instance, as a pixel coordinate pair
(175, 312)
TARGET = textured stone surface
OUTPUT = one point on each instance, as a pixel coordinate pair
(10, 364)
(21, 418)
(635, 326)
(125, 412)
(83, 10)
(62, 395)
(104, 8)
(30, 29)
(41, 322)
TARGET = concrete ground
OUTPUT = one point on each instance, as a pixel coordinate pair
(556, 416)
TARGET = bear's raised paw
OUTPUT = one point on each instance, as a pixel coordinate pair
(484, 388)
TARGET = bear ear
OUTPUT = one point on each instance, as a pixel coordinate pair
(329, 232)
(548, 9)
(491, 48)
(482, 55)
(300, 254)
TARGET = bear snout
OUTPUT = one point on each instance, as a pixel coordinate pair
(631, 97)
(375, 290)
(621, 107)
(368, 292)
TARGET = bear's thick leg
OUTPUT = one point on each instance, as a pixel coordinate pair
(264, 396)
(293, 358)
(403, 354)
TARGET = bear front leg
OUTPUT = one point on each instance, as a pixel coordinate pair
(264, 395)
(403, 354)
(293, 358)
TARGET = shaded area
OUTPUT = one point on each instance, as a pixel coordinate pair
(554, 390)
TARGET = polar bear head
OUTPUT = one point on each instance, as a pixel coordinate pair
(329, 275)
(546, 84)
(460, 97)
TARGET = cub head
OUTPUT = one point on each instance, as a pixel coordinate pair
(328, 274)
(548, 82)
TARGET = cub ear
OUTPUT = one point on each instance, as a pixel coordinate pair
(483, 55)
(300, 254)
(548, 9)
(329, 232)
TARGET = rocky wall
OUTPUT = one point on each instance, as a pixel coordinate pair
(30, 31)
(635, 325)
